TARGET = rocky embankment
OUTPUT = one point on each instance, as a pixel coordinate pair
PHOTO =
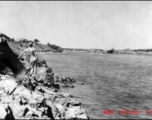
(23, 97)
(33, 99)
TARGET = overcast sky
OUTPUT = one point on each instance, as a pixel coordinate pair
(80, 24)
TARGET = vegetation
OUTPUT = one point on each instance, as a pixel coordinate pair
(20, 44)
(144, 50)
(36, 40)
(55, 47)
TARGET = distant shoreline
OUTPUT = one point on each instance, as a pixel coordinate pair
(121, 53)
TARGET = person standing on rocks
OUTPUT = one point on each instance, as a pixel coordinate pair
(31, 58)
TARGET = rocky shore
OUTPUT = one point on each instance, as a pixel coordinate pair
(42, 97)
(31, 100)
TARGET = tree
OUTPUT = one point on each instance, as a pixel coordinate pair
(36, 40)
(55, 47)
(49, 45)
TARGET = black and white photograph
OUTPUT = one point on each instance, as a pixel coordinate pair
(75, 60)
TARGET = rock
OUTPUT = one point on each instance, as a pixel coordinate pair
(3, 111)
(67, 86)
(35, 104)
(9, 115)
(57, 86)
(49, 70)
(61, 109)
(23, 101)
(37, 96)
(48, 112)
(7, 71)
(80, 83)
(18, 110)
(65, 94)
(65, 82)
(6, 99)
(8, 85)
(29, 114)
(9, 59)
(55, 111)
(57, 78)
(75, 112)
(41, 62)
(23, 92)
(43, 75)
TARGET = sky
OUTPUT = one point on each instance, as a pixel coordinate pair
(80, 24)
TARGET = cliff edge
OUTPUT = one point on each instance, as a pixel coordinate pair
(24, 97)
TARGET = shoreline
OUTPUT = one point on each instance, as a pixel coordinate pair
(141, 54)
(40, 97)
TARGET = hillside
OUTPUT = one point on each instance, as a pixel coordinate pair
(19, 45)
(42, 97)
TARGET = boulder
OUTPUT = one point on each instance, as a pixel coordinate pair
(61, 109)
(9, 59)
(8, 85)
(9, 115)
(75, 112)
(3, 111)
(7, 71)
(44, 75)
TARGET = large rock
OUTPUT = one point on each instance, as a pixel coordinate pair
(75, 112)
(3, 111)
(45, 75)
(9, 59)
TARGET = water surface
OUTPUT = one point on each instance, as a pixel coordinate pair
(112, 82)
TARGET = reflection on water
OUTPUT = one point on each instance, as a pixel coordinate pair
(112, 82)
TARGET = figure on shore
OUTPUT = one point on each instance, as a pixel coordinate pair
(31, 58)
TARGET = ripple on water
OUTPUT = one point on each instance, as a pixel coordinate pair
(115, 82)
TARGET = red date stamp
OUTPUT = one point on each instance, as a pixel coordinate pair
(108, 112)
(148, 112)
(125, 112)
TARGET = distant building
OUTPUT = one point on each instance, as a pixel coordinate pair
(112, 51)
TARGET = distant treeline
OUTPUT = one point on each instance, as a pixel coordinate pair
(55, 47)
(144, 50)
(81, 49)
(108, 51)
